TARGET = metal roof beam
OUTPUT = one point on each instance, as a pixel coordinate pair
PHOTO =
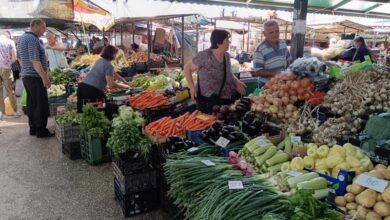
(372, 8)
(338, 5)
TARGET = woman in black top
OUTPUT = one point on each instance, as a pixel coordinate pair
(358, 51)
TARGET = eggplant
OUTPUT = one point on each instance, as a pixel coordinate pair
(173, 139)
(230, 128)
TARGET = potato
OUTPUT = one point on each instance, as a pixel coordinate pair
(342, 208)
(386, 174)
(382, 208)
(379, 167)
(349, 197)
(352, 212)
(356, 189)
(349, 188)
(340, 201)
(386, 195)
(373, 216)
(361, 212)
(387, 218)
(376, 174)
(379, 198)
(351, 206)
(367, 198)
(388, 167)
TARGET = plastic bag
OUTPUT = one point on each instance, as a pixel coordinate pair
(8, 107)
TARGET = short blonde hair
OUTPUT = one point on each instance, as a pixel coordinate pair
(50, 35)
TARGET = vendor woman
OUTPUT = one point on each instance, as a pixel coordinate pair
(216, 81)
(92, 88)
(358, 51)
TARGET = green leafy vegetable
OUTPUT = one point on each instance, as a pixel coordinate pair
(126, 134)
(93, 122)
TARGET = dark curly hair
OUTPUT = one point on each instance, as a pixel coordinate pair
(217, 37)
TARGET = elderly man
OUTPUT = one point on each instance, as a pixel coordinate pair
(55, 52)
(7, 57)
(31, 53)
(271, 56)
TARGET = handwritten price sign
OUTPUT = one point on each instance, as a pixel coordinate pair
(371, 182)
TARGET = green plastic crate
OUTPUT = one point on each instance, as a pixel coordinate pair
(93, 150)
(251, 84)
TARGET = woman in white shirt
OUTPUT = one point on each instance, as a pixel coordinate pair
(55, 52)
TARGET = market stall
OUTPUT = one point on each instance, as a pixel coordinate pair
(310, 137)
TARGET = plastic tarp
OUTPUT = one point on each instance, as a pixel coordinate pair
(62, 10)
(189, 47)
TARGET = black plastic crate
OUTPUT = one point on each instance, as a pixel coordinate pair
(145, 179)
(169, 207)
(131, 163)
(67, 133)
(138, 202)
(72, 150)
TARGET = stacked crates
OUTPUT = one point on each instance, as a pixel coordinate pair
(135, 182)
(68, 134)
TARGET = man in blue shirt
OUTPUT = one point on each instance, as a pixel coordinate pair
(271, 56)
(31, 54)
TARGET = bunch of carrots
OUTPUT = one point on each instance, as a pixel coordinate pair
(148, 99)
(167, 126)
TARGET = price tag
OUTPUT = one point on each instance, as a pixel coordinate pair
(208, 163)
(296, 139)
(294, 173)
(192, 149)
(182, 95)
(371, 182)
(262, 143)
(235, 185)
(222, 142)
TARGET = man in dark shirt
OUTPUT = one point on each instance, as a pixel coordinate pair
(31, 54)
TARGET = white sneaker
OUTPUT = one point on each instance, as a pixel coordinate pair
(18, 114)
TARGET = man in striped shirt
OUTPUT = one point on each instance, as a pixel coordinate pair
(271, 56)
(31, 54)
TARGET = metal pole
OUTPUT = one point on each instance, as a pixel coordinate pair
(247, 43)
(133, 27)
(121, 34)
(197, 38)
(215, 24)
(285, 34)
(149, 36)
(182, 42)
(243, 37)
(299, 28)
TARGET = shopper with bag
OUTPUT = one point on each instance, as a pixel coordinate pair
(216, 82)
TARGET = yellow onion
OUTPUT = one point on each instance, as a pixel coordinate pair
(290, 108)
(273, 109)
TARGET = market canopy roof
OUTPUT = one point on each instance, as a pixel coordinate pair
(339, 26)
(17, 13)
(370, 8)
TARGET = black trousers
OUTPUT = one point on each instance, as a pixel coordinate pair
(87, 93)
(37, 103)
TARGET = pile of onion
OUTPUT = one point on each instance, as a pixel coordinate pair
(279, 95)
